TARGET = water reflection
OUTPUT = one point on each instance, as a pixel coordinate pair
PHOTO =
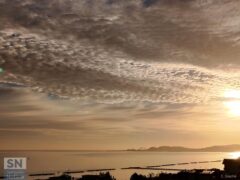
(235, 155)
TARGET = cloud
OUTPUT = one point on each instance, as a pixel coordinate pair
(148, 3)
(209, 35)
(64, 70)
(104, 68)
(162, 54)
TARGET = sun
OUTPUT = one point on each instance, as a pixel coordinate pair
(233, 102)
(234, 94)
(234, 155)
(233, 107)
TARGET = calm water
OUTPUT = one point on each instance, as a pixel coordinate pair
(78, 160)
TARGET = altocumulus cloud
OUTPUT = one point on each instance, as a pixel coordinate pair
(76, 72)
(103, 68)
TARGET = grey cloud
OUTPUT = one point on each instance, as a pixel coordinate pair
(155, 34)
(41, 123)
(7, 133)
(84, 70)
(119, 58)
(65, 70)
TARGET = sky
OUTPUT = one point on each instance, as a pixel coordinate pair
(108, 74)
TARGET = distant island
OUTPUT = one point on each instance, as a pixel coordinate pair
(221, 148)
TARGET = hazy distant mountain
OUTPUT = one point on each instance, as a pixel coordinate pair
(222, 148)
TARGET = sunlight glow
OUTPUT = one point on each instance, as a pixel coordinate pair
(233, 103)
(234, 155)
(233, 107)
(232, 94)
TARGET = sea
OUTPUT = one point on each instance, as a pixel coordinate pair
(60, 161)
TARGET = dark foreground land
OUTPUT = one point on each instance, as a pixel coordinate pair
(101, 176)
(183, 175)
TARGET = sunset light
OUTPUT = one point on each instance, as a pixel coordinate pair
(235, 94)
(234, 155)
(120, 90)
(233, 107)
(233, 104)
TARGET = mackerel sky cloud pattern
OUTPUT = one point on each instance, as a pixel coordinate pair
(154, 61)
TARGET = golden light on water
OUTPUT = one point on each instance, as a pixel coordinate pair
(233, 105)
(234, 155)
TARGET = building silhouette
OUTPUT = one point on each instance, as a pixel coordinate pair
(232, 166)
